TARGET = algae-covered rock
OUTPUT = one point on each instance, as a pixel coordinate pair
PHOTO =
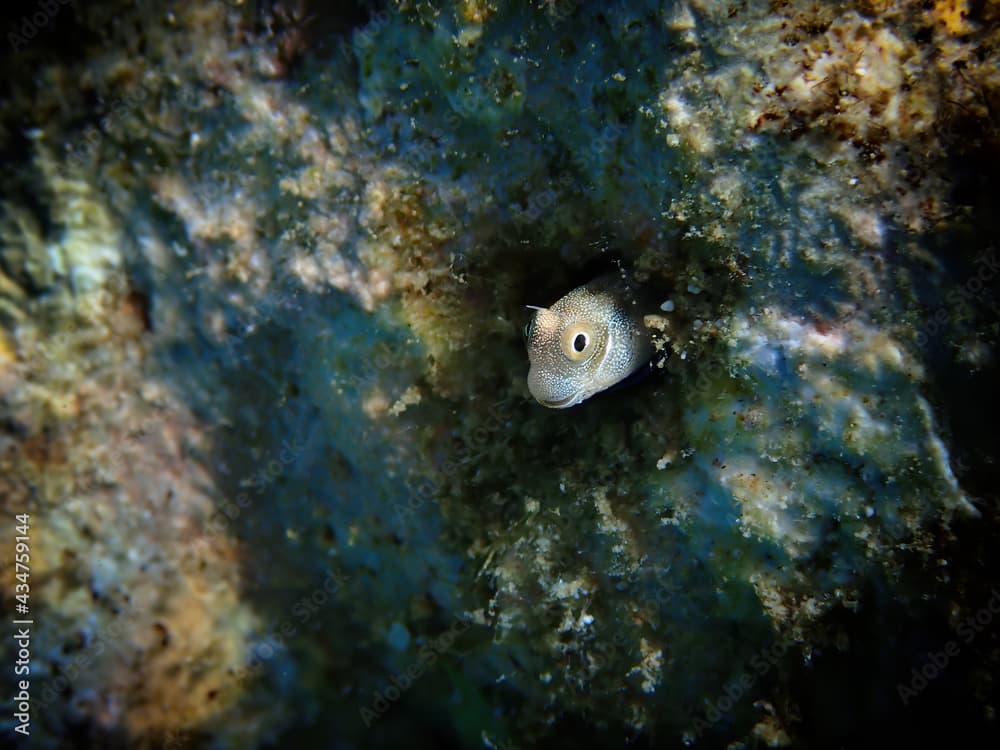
(263, 283)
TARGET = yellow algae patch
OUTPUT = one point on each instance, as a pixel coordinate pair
(477, 11)
(203, 624)
(953, 15)
(8, 352)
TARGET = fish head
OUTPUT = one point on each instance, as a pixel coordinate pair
(574, 348)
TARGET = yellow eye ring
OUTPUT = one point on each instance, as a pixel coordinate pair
(578, 341)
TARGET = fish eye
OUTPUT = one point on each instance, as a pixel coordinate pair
(577, 341)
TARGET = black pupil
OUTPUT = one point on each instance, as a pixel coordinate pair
(580, 342)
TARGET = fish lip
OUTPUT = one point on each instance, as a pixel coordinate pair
(571, 400)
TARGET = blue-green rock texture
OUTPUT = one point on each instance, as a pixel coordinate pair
(263, 277)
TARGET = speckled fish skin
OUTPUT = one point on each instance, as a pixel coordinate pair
(586, 342)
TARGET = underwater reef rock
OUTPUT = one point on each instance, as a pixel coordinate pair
(263, 277)
(130, 591)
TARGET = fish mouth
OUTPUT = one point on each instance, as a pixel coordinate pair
(571, 400)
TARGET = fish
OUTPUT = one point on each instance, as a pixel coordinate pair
(586, 342)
